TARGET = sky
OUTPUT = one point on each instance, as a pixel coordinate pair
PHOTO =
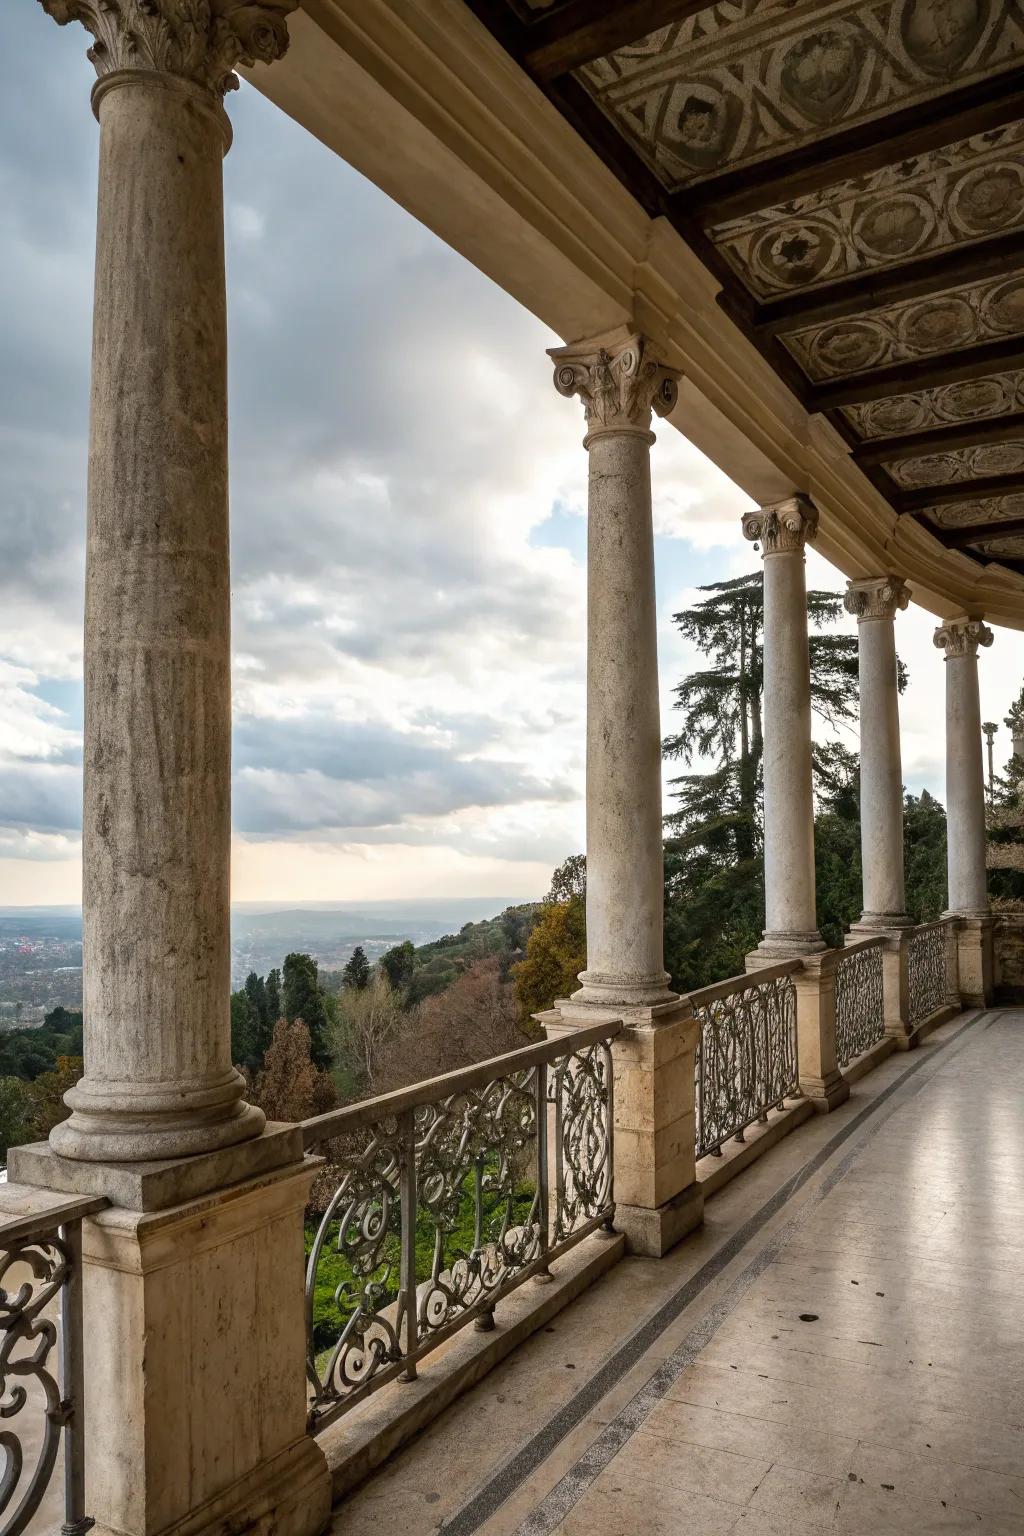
(407, 522)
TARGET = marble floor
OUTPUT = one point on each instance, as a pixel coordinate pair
(841, 1349)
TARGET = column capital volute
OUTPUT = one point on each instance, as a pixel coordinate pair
(782, 527)
(962, 637)
(200, 41)
(620, 380)
(876, 597)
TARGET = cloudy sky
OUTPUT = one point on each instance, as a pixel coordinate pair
(407, 497)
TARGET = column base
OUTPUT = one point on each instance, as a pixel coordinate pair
(652, 1232)
(153, 1186)
(825, 1093)
(129, 1123)
(775, 947)
(602, 989)
(870, 924)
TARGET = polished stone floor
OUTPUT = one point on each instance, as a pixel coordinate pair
(841, 1349)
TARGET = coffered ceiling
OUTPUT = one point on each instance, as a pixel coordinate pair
(852, 173)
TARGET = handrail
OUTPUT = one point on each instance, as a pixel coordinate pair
(741, 983)
(384, 1106)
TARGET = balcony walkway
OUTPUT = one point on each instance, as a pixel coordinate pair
(841, 1348)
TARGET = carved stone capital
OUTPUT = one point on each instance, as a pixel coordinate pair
(196, 40)
(619, 379)
(783, 528)
(876, 597)
(961, 637)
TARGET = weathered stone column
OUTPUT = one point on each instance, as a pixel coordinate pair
(959, 639)
(791, 926)
(620, 382)
(875, 602)
(158, 1075)
(195, 1397)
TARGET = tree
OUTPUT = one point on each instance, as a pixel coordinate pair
(273, 996)
(291, 1087)
(357, 972)
(556, 952)
(45, 1097)
(368, 1019)
(924, 856)
(471, 1021)
(398, 964)
(569, 879)
(14, 1115)
(302, 997)
(242, 1030)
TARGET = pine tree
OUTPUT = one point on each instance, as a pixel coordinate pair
(357, 972)
(302, 997)
(273, 996)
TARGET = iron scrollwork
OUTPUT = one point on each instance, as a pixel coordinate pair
(926, 972)
(860, 1010)
(579, 1086)
(746, 1058)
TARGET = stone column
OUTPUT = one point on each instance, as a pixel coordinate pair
(791, 926)
(621, 381)
(959, 639)
(156, 835)
(195, 1399)
(875, 602)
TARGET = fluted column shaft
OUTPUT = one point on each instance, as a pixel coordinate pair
(965, 771)
(875, 602)
(158, 1081)
(791, 926)
(620, 382)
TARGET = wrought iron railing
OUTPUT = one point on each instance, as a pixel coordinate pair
(746, 1057)
(41, 1376)
(860, 1002)
(930, 981)
(436, 1201)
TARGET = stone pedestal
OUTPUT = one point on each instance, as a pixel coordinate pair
(657, 1198)
(875, 602)
(975, 959)
(791, 926)
(821, 1081)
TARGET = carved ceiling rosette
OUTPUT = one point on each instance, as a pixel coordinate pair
(783, 528)
(619, 379)
(878, 597)
(198, 40)
(962, 637)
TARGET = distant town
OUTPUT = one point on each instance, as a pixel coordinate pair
(41, 947)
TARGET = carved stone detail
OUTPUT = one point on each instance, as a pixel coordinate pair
(960, 464)
(996, 394)
(876, 597)
(961, 637)
(619, 379)
(984, 509)
(784, 527)
(197, 40)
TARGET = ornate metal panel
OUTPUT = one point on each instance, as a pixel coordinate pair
(927, 971)
(746, 1059)
(430, 1213)
(860, 1009)
(41, 1387)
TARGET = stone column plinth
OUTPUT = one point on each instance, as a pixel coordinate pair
(821, 1081)
(875, 603)
(791, 926)
(959, 639)
(620, 382)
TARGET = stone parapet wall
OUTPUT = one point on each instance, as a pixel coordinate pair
(1009, 957)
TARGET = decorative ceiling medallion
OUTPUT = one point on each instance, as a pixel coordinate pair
(949, 404)
(987, 509)
(1012, 546)
(773, 74)
(963, 193)
(943, 322)
(961, 464)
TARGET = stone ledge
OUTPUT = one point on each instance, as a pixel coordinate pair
(861, 1065)
(934, 1021)
(359, 1442)
(715, 1172)
(155, 1186)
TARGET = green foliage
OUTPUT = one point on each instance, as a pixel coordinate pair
(924, 856)
(437, 965)
(242, 1030)
(357, 972)
(398, 964)
(26, 1053)
(15, 1114)
(302, 997)
(569, 879)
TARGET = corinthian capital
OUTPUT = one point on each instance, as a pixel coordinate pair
(197, 40)
(961, 637)
(876, 597)
(784, 527)
(619, 380)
